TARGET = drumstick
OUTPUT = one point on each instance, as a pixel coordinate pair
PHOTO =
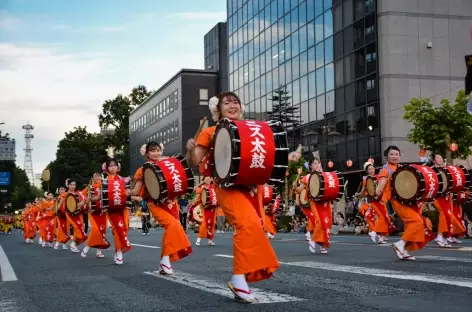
(202, 123)
(299, 149)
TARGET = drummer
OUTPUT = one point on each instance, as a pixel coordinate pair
(98, 220)
(415, 235)
(303, 201)
(365, 208)
(254, 257)
(449, 226)
(175, 243)
(62, 234)
(207, 227)
(118, 215)
(320, 235)
(76, 221)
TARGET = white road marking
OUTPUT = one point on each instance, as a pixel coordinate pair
(8, 306)
(445, 258)
(464, 249)
(219, 288)
(438, 279)
(8, 274)
(146, 246)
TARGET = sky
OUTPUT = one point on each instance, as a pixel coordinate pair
(60, 60)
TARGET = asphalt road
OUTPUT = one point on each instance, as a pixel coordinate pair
(356, 275)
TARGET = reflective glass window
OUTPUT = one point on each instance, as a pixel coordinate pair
(320, 81)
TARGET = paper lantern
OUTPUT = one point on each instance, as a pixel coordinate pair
(349, 163)
(330, 164)
(422, 152)
(46, 175)
(453, 147)
(371, 160)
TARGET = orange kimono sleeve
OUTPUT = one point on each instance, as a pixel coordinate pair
(204, 139)
(139, 174)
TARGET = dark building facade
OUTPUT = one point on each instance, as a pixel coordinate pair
(324, 53)
(216, 53)
(173, 113)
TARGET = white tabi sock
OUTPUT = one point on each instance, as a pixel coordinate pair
(401, 244)
(119, 255)
(239, 281)
(165, 261)
(86, 249)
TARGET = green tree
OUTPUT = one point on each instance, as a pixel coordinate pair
(434, 128)
(79, 155)
(283, 110)
(115, 114)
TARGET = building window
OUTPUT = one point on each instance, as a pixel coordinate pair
(203, 96)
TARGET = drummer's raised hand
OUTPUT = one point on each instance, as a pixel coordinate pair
(191, 145)
(294, 156)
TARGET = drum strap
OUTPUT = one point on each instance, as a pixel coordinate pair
(390, 171)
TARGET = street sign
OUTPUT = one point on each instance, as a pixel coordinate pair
(4, 178)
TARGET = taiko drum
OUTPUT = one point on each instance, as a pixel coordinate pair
(249, 153)
(268, 195)
(455, 179)
(208, 197)
(326, 186)
(413, 184)
(371, 186)
(168, 178)
(462, 197)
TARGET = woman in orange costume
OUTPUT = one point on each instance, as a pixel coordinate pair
(254, 258)
(62, 236)
(175, 243)
(207, 227)
(306, 209)
(322, 212)
(77, 221)
(416, 234)
(383, 225)
(29, 226)
(365, 208)
(49, 222)
(270, 221)
(117, 211)
(98, 220)
(447, 222)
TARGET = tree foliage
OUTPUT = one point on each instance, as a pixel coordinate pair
(78, 156)
(115, 114)
(283, 110)
(432, 125)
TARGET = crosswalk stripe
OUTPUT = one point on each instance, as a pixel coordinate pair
(440, 258)
(8, 274)
(214, 287)
(438, 279)
(146, 246)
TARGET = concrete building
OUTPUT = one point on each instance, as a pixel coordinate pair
(173, 113)
(422, 45)
(349, 67)
(7, 149)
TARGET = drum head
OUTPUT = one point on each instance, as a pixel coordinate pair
(303, 197)
(204, 196)
(71, 204)
(152, 183)
(223, 153)
(444, 179)
(314, 185)
(197, 213)
(370, 186)
(406, 184)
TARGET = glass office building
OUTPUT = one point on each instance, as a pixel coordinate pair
(324, 52)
